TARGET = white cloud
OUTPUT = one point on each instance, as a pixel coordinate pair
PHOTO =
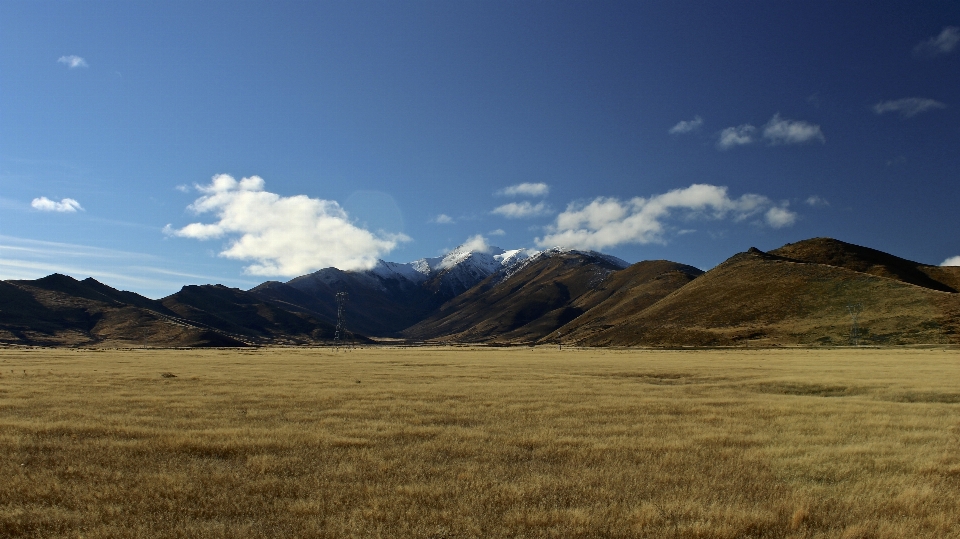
(780, 216)
(952, 261)
(521, 210)
(608, 222)
(736, 136)
(497, 232)
(72, 61)
(943, 43)
(686, 126)
(908, 107)
(476, 243)
(286, 236)
(443, 219)
(65, 205)
(781, 131)
(526, 189)
(814, 200)
(183, 188)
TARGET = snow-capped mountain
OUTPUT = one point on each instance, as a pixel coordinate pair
(448, 275)
(453, 272)
(392, 296)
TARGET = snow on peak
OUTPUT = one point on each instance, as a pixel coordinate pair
(475, 249)
(391, 270)
(515, 256)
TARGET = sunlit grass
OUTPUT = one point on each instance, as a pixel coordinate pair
(461, 442)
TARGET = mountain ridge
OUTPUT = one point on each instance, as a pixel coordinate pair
(799, 294)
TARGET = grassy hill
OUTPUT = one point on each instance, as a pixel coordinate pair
(756, 298)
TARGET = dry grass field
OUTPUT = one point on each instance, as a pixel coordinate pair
(480, 442)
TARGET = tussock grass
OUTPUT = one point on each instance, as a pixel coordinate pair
(461, 442)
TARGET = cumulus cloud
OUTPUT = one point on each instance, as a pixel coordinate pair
(497, 232)
(521, 210)
(608, 222)
(782, 131)
(732, 137)
(908, 107)
(285, 236)
(780, 216)
(952, 261)
(443, 219)
(72, 61)
(66, 205)
(686, 126)
(943, 43)
(526, 189)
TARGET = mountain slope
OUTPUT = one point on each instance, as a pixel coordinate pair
(58, 310)
(390, 297)
(840, 254)
(244, 316)
(631, 291)
(375, 305)
(760, 298)
(523, 303)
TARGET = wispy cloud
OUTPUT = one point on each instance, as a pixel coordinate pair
(609, 222)
(908, 107)
(732, 137)
(782, 131)
(686, 126)
(816, 201)
(443, 219)
(521, 210)
(31, 259)
(943, 43)
(526, 189)
(776, 132)
(497, 232)
(952, 261)
(72, 61)
(286, 236)
(67, 205)
(56, 249)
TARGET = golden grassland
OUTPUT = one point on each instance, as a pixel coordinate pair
(480, 442)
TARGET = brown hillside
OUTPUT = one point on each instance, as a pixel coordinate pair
(635, 289)
(866, 260)
(756, 298)
(534, 302)
(61, 311)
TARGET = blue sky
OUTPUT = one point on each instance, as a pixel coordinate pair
(157, 144)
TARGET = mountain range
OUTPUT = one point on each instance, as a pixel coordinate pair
(814, 292)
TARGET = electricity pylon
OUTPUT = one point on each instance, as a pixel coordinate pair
(338, 336)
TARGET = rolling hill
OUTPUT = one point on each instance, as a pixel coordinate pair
(757, 298)
(59, 310)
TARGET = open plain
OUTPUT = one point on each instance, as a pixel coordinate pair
(480, 442)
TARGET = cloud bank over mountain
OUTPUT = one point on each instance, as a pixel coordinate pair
(608, 222)
(285, 236)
